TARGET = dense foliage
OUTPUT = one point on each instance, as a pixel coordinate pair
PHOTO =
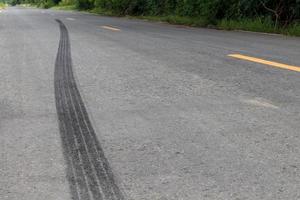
(280, 12)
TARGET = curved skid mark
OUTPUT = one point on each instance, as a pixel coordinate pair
(89, 174)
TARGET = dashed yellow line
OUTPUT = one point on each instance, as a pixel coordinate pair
(266, 62)
(110, 28)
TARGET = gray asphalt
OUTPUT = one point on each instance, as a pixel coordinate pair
(176, 118)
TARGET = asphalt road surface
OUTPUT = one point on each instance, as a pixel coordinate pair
(95, 107)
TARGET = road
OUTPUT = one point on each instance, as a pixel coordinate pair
(95, 107)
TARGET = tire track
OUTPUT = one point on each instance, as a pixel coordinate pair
(88, 171)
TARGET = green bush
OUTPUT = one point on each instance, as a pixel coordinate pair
(258, 15)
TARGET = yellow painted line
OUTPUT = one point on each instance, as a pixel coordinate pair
(110, 28)
(266, 62)
(70, 18)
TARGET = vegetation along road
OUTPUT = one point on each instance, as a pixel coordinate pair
(95, 107)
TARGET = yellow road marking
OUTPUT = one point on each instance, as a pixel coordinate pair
(110, 28)
(265, 62)
(260, 102)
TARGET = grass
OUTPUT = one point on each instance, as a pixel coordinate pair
(2, 5)
(258, 25)
(255, 25)
(293, 30)
(173, 19)
(29, 5)
(101, 11)
(64, 7)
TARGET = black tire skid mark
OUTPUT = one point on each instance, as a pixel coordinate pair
(89, 174)
(76, 178)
